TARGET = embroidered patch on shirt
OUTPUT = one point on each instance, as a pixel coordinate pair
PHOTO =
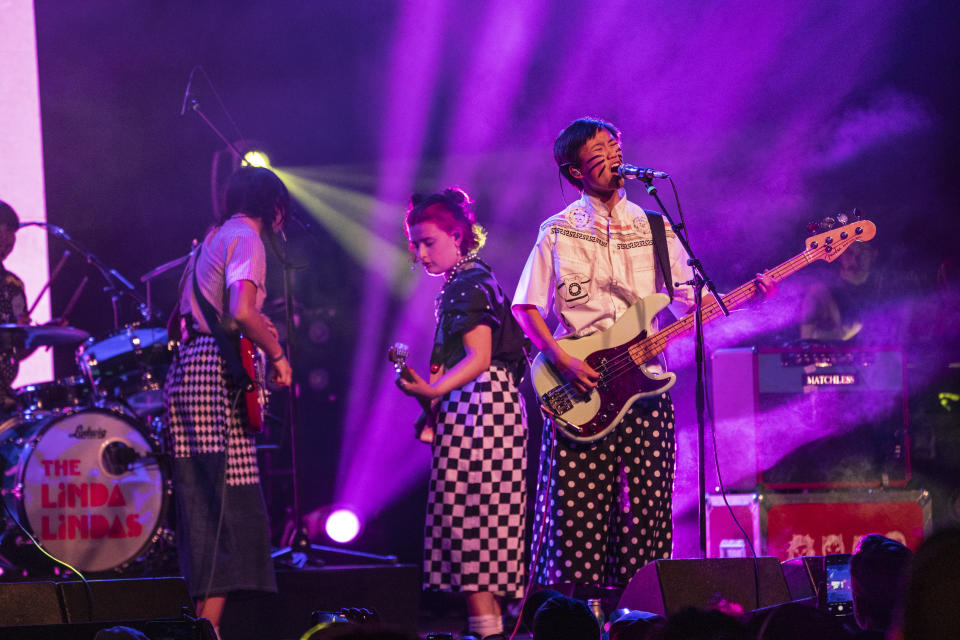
(641, 226)
(579, 218)
(574, 289)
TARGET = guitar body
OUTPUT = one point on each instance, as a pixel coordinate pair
(589, 417)
(255, 400)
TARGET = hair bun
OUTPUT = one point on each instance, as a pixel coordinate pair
(416, 199)
(456, 194)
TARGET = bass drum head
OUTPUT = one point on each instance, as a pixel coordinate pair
(90, 488)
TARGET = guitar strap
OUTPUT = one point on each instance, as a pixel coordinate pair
(659, 233)
(227, 349)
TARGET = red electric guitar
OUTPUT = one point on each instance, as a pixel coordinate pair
(254, 363)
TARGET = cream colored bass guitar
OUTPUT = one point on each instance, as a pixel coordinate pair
(622, 352)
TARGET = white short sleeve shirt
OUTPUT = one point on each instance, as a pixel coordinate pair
(591, 263)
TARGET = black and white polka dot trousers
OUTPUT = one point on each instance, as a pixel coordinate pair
(609, 502)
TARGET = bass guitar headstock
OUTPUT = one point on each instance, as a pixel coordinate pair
(398, 354)
(836, 235)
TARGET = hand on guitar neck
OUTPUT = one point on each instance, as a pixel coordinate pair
(410, 383)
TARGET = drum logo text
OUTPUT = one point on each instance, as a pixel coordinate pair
(83, 495)
(88, 433)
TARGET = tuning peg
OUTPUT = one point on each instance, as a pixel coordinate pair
(857, 214)
(813, 228)
(842, 219)
(827, 224)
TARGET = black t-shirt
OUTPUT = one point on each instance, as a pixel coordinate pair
(473, 297)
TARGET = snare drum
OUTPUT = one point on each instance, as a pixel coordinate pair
(59, 395)
(129, 364)
(87, 484)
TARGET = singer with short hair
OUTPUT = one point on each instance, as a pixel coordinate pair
(609, 502)
(223, 537)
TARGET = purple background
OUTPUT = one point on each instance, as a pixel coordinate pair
(768, 116)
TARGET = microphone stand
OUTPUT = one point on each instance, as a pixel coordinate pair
(111, 276)
(700, 279)
(300, 551)
(194, 105)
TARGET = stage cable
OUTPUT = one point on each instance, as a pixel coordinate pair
(723, 493)
(86, 584)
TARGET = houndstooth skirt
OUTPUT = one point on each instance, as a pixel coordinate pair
(476, 505)
(223, 537)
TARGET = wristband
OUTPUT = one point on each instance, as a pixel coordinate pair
(278, 358)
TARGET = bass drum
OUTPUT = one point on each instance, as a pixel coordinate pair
(88, 485)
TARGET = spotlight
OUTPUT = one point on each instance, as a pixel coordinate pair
(254, 158)
(342, 525)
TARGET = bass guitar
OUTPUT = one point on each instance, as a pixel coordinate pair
(425, 424)
(620, 353)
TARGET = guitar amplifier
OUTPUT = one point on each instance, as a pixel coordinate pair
(810, 418)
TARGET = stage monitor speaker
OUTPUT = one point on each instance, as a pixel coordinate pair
(29, 603)
(668, 586)
(126, 599)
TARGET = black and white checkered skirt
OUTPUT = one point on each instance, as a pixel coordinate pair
(205, 413)
(477, 500)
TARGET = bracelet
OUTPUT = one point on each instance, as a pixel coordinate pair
(278, 358)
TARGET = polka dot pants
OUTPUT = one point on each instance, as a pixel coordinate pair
(609, 502)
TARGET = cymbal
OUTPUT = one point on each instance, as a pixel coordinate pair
(42, 335)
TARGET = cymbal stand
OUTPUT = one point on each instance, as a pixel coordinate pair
(111, 276)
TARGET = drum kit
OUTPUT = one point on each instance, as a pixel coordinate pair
(81, 461)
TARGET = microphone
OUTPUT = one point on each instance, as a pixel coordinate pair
(631, 172)
(186, 94)
(52, 228)
(118, 458)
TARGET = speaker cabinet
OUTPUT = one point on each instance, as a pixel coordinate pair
(130, 599)
(804, 576)
(667, 586)
(29, 603)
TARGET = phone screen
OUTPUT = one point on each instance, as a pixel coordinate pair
(839, 594)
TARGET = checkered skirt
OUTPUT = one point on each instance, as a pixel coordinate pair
(205, 413)
(476, 506)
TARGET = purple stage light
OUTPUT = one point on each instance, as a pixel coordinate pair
(342, 525)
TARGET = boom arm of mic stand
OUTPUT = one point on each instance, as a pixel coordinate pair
(195, 107)
(112, 276)
(300, 220)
